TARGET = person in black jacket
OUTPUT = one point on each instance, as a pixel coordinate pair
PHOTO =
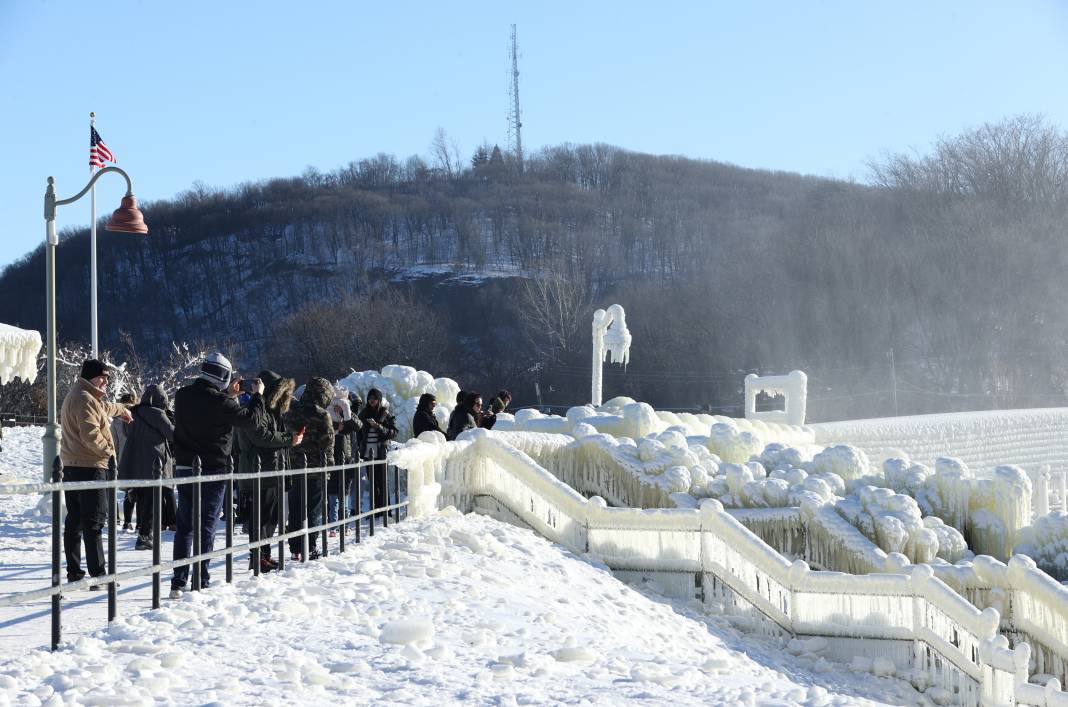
(344, 427)
(378, 427)
(465, 416)
(315, 450)
(147, 455)
(205, 415)
(424, 420)
(265, 448)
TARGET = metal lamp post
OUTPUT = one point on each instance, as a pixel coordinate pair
(126, 219)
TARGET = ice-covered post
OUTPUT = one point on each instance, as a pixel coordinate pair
(1040, 494)
(1060, 486)
(610, 337)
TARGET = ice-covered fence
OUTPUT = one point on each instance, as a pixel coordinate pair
(983, 440)
(915, 619)
(18, 354)
(793, 387)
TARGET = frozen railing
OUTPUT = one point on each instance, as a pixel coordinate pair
(913, 618)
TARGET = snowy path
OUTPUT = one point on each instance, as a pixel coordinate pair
(448, 609)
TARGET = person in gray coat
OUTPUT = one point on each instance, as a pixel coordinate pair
(147, 455)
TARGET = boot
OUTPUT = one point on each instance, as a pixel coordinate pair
(143, 543)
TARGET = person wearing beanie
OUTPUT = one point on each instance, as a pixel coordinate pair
(205, 414)
(85, 449)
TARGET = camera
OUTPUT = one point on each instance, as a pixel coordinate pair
(248, 385)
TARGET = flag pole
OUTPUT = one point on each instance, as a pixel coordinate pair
(92, 258)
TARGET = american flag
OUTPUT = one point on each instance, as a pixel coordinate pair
(98, 151)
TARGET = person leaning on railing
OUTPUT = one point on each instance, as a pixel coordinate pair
(267, 444)
(205, 414)
(147, 455)
(85, 450)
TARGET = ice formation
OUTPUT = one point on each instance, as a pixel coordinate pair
(1046, 542)
(18, 354)
(793, 387)
(401, 387)
(611, 339)
(818, 613)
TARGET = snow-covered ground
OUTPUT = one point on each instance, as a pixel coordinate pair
(446, 609)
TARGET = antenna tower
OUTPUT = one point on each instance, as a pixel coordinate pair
(515, 122)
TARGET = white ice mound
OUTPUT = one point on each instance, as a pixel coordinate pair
(405, 631)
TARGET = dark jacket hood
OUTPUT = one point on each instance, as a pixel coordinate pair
(424, 402)
(156, 397)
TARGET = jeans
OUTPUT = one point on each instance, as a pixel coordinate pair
(212, 494)
(86, 512)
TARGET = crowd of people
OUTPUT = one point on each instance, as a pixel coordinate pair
(228, 422)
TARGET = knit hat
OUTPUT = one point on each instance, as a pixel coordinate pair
(217, 370)
(91, 368)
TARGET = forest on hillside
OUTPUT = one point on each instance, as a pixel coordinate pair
(937, 286)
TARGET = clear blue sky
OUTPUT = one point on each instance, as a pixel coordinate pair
(225, 92)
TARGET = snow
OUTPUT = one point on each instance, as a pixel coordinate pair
(450, 608)
(18, 354)
(793, 387)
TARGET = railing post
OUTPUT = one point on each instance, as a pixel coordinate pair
(282, 503)
(396, 487)
(305, 545)
(358, 505)
(113, 507)
(371, 498)
(157, 531)
(196, 523)
(342, 508)
(228, 504)
(57, 542)
(385, 481)
(257, 521)
(323, 498)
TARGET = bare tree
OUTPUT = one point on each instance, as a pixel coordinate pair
(554, 312)
(446, 153)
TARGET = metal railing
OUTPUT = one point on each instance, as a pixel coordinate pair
(12, 419)
(392, 506)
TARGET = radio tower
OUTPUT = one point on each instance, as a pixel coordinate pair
(515, 122)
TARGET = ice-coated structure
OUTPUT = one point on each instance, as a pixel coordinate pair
(401, 387)
(793, 387)
(18, 354)
(611, 338)
(907, 622)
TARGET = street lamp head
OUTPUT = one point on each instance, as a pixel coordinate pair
(127, 218)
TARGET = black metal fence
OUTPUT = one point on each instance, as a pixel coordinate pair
(394, 505)
(11, 419)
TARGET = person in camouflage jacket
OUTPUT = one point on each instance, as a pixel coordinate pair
(315, 450)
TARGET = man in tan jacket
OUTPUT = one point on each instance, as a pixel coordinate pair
(85, 449)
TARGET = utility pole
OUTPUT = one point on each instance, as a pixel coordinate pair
(515, 122)
(893, 380)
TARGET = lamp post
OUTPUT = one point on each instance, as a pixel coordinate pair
(126, 219)
(611, 337)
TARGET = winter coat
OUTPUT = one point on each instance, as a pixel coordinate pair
(86, 421)
(147, 452)
(269, 441)
(381, 415)
(317, 448)
(118, 435)
(424, 420)
(460, 421)
(204, 422)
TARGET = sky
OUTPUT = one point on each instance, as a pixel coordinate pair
(227, 92)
